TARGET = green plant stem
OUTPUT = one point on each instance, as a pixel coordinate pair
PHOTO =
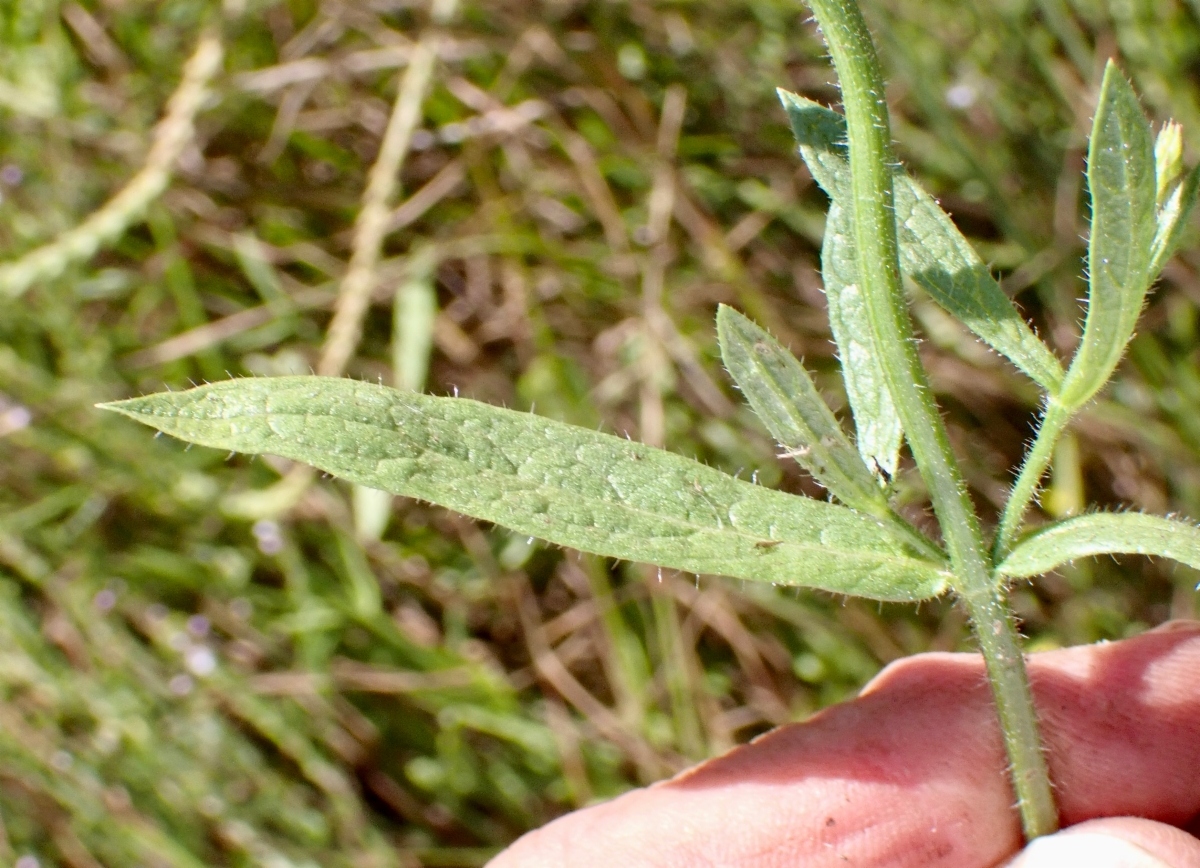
(999, 643)
(1054, 422)
(871, 162)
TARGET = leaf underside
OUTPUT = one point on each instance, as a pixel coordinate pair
(933, 253)
(1100, 534)
(568, 485)
(879, 432)
(787, 402)
(1122, 186)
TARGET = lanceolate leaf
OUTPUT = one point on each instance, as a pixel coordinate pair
(943, 263)
(1100, 534)
(568, 485)
(876, 422)
(1122, 186)
(933, 253)
(785, 399)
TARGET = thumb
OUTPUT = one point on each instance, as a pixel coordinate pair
(1113, 842)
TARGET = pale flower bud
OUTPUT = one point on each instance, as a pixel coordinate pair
(1168, 160)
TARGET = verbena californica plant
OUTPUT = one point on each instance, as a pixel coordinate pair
(603, 494)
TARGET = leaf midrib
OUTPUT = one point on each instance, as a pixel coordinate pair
(730, 530)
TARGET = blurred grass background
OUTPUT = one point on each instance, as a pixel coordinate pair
(203, 665)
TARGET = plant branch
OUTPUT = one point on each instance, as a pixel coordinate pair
(871, 162)
(1024, 490)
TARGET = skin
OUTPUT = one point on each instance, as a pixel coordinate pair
(912, 773)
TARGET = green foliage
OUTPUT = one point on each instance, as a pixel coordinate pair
(1102, 534)
(426, 723)
(785, 399)
(602, 495)
(1137, 213)
(565, 484)
(876, 421)
(1122, 186)
(933, 253)
(1173, 217)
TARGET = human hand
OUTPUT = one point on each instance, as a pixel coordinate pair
(913, 773)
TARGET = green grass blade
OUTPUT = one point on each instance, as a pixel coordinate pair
(876, 422)
(1122, 185)
(568, 485)
(787, 402)
(933, 253)
(1126, 533)
(414, 312)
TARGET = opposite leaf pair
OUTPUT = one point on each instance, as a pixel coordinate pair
(933, 253)
(1140, 205)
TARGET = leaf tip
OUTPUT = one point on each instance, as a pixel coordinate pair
(726, 322)
(726, 316)
(127, 407)
(1115, 85)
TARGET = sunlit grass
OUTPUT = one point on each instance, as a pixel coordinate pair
(184, 678)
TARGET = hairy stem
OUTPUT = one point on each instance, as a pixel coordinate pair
(871, 162)
(1054, 422)
(1000, 645)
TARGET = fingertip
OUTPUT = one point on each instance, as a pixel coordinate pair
(1092, 850)
(1114, 842)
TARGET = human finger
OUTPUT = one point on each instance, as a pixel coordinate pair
(1113, 842)
(913, 772)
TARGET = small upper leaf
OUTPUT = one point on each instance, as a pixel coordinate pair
(571, 486)
(785, 399)
(1122, 187)
(877, 426)
(1101, 534)
(933, 253)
